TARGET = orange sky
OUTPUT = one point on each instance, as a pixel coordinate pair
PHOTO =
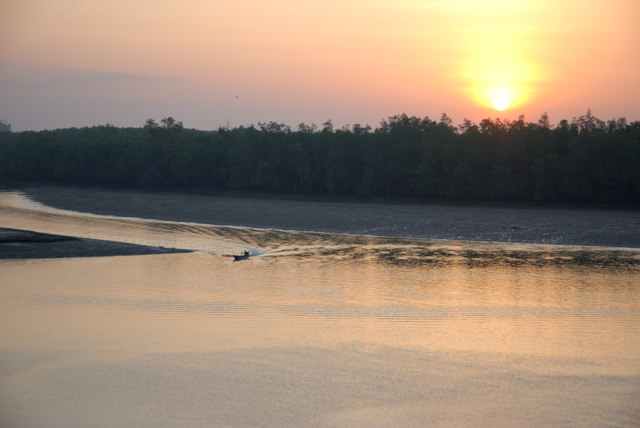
(212, 63)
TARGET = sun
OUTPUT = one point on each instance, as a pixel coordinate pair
(501, 101)
(500, 83)
(501, 96)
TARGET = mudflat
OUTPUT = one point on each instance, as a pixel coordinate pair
(27, 244)
(517, 224)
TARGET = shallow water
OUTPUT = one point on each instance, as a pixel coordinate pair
(318, 330)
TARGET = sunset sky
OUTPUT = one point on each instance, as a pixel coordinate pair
(214, 63)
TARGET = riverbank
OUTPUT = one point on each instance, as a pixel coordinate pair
(556, 226)
(26, 244)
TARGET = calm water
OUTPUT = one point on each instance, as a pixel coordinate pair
(317, 330)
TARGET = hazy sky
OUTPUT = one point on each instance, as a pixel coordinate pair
(217, 63)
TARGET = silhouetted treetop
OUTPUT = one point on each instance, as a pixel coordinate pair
(167, 124)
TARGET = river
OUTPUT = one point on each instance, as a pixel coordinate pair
(312, 330)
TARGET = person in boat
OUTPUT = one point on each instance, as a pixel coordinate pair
(245, 255)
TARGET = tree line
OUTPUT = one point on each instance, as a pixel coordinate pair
(584, 160)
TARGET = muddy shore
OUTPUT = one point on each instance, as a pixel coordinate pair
(26, 244)
(559, 226)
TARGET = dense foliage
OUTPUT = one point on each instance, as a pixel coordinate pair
(4, 126)
(582, 160)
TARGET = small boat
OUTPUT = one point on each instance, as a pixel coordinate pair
(245, 255)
